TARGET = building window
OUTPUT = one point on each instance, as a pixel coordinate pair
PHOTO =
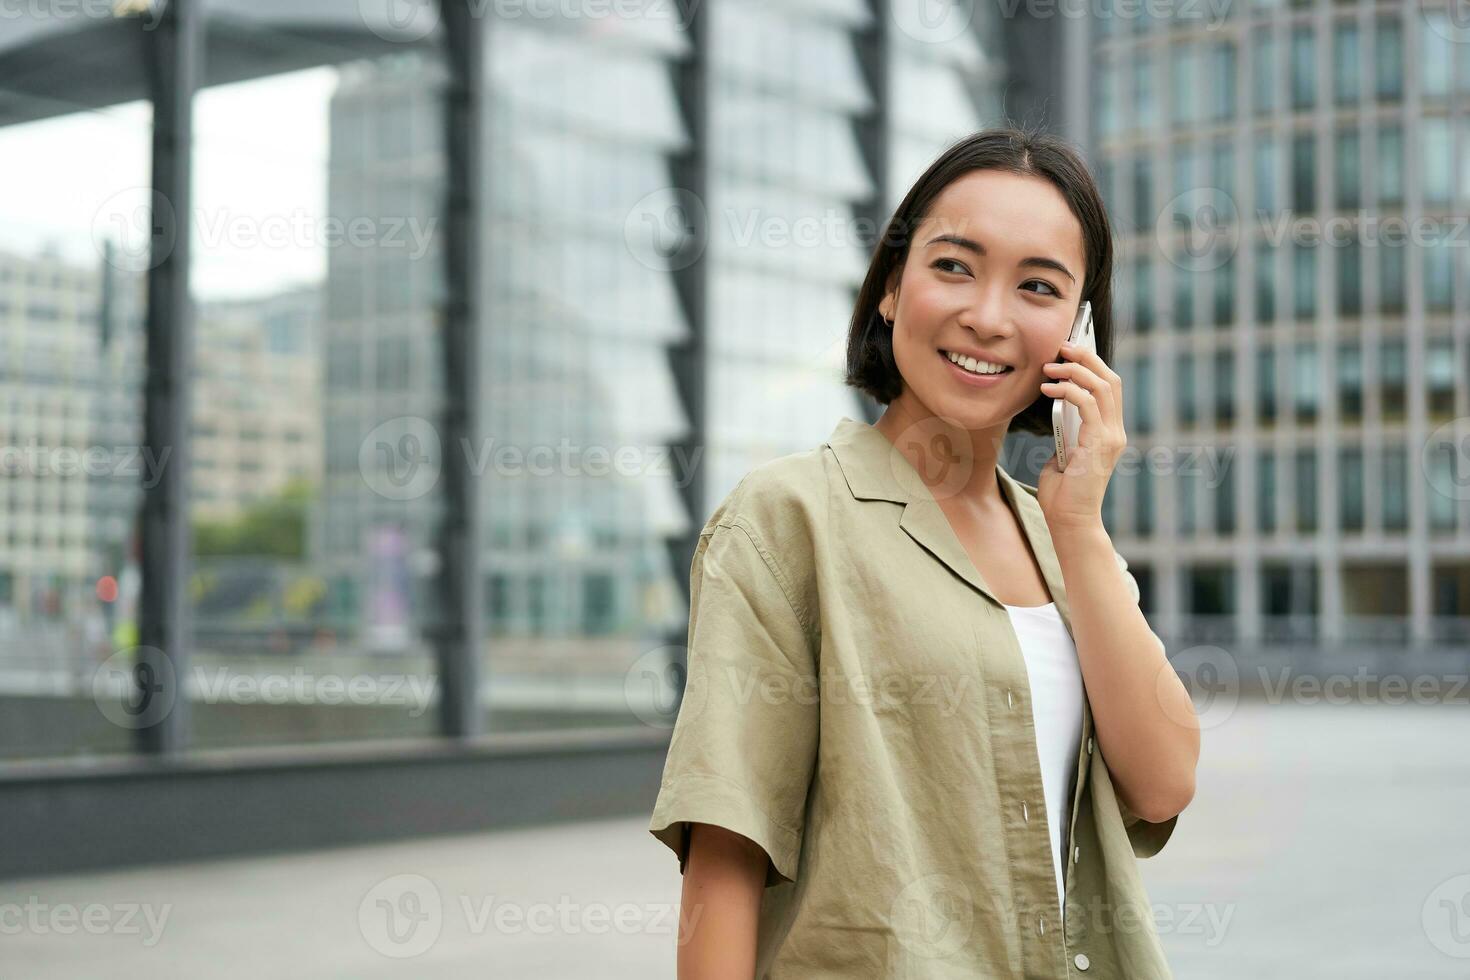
(1438, 168)
(1350, 279)
(1391, 288)
(1306, 490)
(1304, 173)
(1266, 384)
(1185, 389)
(1140, 399)
(1224, 498)
(1347, 73)
(1222, 81)
(1439, 286)
(1266, 490)
(1143, 293)
(1436, 53)
(1183, 298)
(1392, 378)
(1224, 388)
(1222, 167)
(1395, 489)
(1350, 480)
(1350, 381)
(1439, 364)
(1303, 281)
(1181, 85)
(1388, 59)
(1348, 168)
(1263, 82)
(1305, 393)
(1143, 502)
(1303, 68)
(1265, 282)
(1442, 475)
(1143, 200)
(1224, 298)
(1267, 197)
(1390, 164)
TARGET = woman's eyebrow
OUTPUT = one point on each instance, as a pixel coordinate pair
(979, 249)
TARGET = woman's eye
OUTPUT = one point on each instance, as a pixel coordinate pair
(1043, 282)
(959, 266)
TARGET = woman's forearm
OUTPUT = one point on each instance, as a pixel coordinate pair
(724, 880)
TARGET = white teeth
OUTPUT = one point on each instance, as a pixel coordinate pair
(974, 366)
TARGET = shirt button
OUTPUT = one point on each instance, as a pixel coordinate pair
(1076, 852)
(1024, 815)
(1089, 745)
(1009, 704)
(1082, 961)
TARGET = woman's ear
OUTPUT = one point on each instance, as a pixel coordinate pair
(888, 305)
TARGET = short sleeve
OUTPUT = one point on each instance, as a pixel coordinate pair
(1147, 838)
(744, 743)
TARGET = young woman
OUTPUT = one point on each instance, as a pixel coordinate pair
(924, 714)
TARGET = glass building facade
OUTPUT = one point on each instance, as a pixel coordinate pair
(318, 241)
(1290, 184)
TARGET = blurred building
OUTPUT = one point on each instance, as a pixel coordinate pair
(257, 424)
(1299, 399)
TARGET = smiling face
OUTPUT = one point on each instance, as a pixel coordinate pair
(994, 272)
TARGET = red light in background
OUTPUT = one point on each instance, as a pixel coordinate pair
(107, 588)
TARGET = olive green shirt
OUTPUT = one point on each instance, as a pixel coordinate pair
(857, 704)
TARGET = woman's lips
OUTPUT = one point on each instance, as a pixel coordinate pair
(972, 379)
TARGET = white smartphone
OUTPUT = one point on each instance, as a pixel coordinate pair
(1066, 421)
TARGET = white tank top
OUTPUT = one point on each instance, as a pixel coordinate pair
(1056, 711)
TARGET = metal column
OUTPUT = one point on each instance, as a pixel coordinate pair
(175, 52)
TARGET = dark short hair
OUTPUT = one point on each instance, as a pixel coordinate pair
(870, 364)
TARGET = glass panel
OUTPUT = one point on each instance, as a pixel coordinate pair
(1393, 378)
(314, 508)
(1306, 489)
(1303, 68)
(1222, 80)
(1186, 389)
(1438, 168)
(1350, 381)
(1268, 198)
(75, 224)
(1266, 490)
(1439, 275)
(1349, 168)
(1439, 381)
(1391, 284)
(1390, 165)
(1347, 75)
(1304, 281)
(1266, 385)
(1395, 488)
(1436, 52)
(1263, 85)
(1306, 388)
(1349, 278)
(1388, 59)
(1304, 173)
(1350, 477)
(1265, 282)
(1182, 87)
(1224, 384)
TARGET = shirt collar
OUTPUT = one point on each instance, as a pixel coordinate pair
(872, 466)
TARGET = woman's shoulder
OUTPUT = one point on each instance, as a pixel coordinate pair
(784, 500)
